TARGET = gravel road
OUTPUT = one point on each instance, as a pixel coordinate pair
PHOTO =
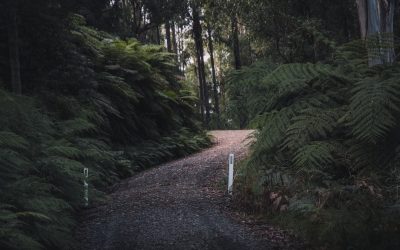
(178, 205)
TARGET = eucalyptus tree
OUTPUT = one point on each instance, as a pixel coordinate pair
(376, 26)
(235, 35)
(214, 22)
(198, 40)
(213, 74)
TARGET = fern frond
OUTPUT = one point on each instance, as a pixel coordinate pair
(314, 157)
(12, 140)
(311, 124)
(63, 150)
(275, 125)
(296, 72)
(374, 108)
(76, 126)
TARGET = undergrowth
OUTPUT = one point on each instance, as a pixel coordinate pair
(326, 159)
(112, 106)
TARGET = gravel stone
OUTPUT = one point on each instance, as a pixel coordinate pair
(178, 205)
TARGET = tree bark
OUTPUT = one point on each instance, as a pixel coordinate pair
(201, 97)
(158, 36)
(14, 48)
(174, 41)
(180, 49)
(175, 44)
(236, 45)
(376, 26)
(362, 17)
(168, 35)
(387, 25)
(198, 38)
(214, 77)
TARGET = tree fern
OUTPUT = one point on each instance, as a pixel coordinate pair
(12, 140)
(313, 158)
(311, 124)
(374, 107)
(293, 72)
(334, 131)
(274, 127)
(113, 106)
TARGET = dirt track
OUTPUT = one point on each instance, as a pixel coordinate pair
(177, 205)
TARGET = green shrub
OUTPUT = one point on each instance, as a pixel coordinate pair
(122, 110)
(327, 150)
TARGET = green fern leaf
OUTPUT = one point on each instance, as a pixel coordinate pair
(374, 108)
(314, 157)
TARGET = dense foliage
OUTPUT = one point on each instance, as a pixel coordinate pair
(326, 159)
(90, 100)
(325, 106)
(87, 84)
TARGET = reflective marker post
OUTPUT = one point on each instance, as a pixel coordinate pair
(86, 186)
(230, 173)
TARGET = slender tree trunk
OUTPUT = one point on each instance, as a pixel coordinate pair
(200, 76)
(168, 35)
(387, 25)
(222, 99)
(180, 49)
(14, 48)
(376, 25)
(197, 34)
(201, 97)
(214, 77)
(373, 31)
(362, 17)
(236, 45)
(158, 34)
(175, 44)
(174, 41)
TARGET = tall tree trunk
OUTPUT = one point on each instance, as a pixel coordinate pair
(236, 45)
(14, 47)
(222, 99)
(198, 38)
(387, 25)
(376, 26)
(201, 97)
(214, 77)
(180, 49)
(175, 44)
(168, 35)
(158, 35)
(362, 17)
(174, 41)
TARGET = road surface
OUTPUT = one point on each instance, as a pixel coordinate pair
(177, 205)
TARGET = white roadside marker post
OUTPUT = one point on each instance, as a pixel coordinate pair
(230, 173)
(86, 186)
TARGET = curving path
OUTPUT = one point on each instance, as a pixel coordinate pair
(177, 205)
